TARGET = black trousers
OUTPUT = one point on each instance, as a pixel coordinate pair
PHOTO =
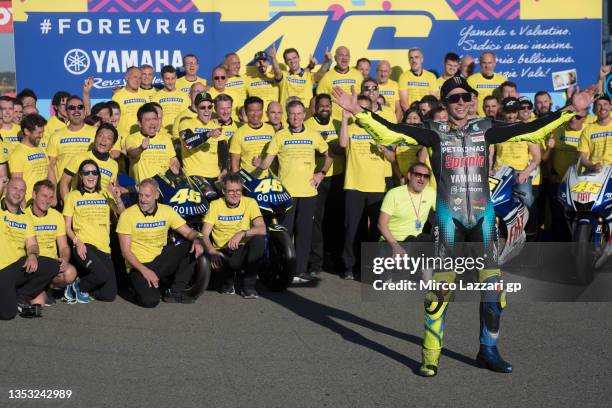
(559, 230)
(359, 207)
(96, 273)
(328, 225)
(174, 261)
(298, 221)
(248, 257)
(16, 285)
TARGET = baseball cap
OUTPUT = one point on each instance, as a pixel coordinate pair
(201, 97)
(510, 104)
(455, 82)
(260, 55)
(523, 100)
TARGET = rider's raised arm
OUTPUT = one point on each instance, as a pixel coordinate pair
(388, 133)
(533, 132)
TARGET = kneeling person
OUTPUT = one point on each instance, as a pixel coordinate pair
(234, 233)
(143, 235)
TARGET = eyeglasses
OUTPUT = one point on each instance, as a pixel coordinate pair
(218, 78)
(237, 191)
(423, 175)
(75, 107)
(466, 97)
(370, 88)
(205, 107)
(90, 173)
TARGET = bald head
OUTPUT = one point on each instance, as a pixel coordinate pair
(343, 58)
(383, 69)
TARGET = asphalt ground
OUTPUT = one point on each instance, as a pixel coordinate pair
(317, 345)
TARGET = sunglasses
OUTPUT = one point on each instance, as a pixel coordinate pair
(205, 107)
(90, 173)
(218, 78)
(370, 88)
(578, 117)
(525, 107)
(466, 97)
(75, 107)
(423, 175)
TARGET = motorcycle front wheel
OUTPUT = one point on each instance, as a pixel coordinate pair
(277, 273)
(585, 253)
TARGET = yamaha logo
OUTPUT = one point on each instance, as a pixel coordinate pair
(76, 61)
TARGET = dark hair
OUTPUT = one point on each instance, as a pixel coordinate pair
(146, 108)
(540, 93)
(488, 98)
(27, 92)
(433, 111)
(252, 100)
(71, 97)
(288, 51)
(231, 178)
(431, 100)
(6, 98)
(362, 60)
(168, 69)
(99, 107)
(84, 163)
(31, 121)
(507, 84)
(451, 56)
(222, 98)
(294, 103)
(113, 105)
(110, 127)
(92, 120)
(368, 79)
(322, 96)
(157, 105)
(409, 111)
(17, 102)
(192, 56)
(57, 98)
(43, 183)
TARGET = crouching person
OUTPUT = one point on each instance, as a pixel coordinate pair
(143, 237)
(234, 235)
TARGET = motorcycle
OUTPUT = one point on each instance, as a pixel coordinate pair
(510, 213)
(587, 200)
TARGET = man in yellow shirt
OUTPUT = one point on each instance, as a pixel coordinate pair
(143, 238)
(388, 88)
(71, 140)
(274, 112)
(191, 66)
(150, 150)
(263, 85)
(451, 67)
(295, 148)
(57, 121)
(487, 80)
(233, 233)
(130, 98)
(8, 130)
(17, 112)
(172, 100)
(593, 145)
(146, 81)
(250, 140)
(417, 82)
(25, 274)
(543, 103)
(190, 112)
(28, 161)
(235, 85)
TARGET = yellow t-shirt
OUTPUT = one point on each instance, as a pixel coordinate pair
(129, 102)
(390, 91)
(418, 86)
(236, 88)
(299, 85)
(11, 137)
(14, 230)
(485, 87)
(332, 79)
(249, 143)
(150, 93)
(565, 153)
(187, 114)
(513, 154)
(387, 113)
(47, 229)
(203, 160)
(296, 157)
(406, 155)
(53, 124)
(3, 152)
(441, 80)
(172, 103)
(329, 133)
(184, 85)
(266, 88)
(227, 221)
(230, 129)
(365, 164)
(149, 233)
(32, 163)
(108, 168)
(154, 159)
(90, 214)
(594, 140)
(65, 144)
(408, 211)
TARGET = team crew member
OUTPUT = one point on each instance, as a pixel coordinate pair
(143, 236)
(543, 103)
(329, 205)
(17, 112)
(405, 209)
(593, 145)
(130, 98)
(364, 185)
(106, 137)
(235, 86)
(274, 112)
(263, 85)
(451, 67)
(203, 160)
(190, 112)
(28, 160)
(487, 80)
(87, 217)
(150, 150)
(490, 106)
(24, 272)
(250, 140)
(191, 66)
(50, 231)
(388, 88)
(146, 81)
(417, 82)
(342, 75)
(172, 100)
(71, 140)
(295, 148)
(224, 108)
(9, 131)
(57, 121)
(234, 233)
(463, 222)
(467, 66)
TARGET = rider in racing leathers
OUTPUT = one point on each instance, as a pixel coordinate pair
(464, 211)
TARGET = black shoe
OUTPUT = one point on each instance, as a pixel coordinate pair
(50, 297)
(302, 278)
(228, 289)
(249, 293)
(171, 296)
(348, 275)
(488, 357)
(29, 311)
